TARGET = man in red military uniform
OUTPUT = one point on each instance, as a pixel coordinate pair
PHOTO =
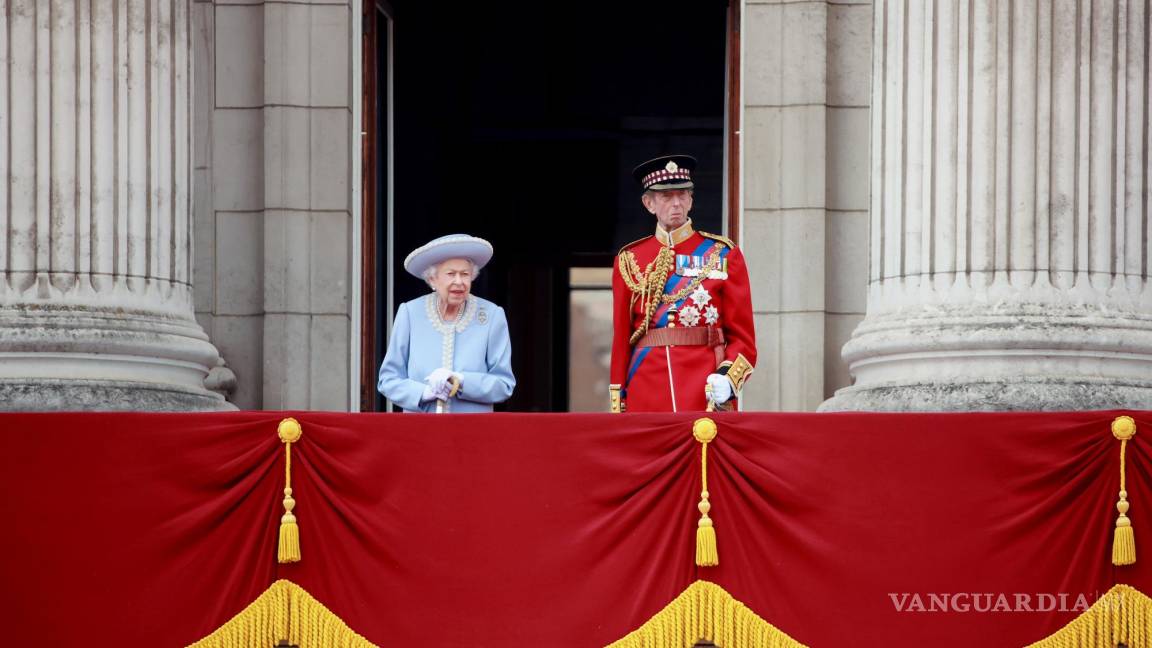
(682, 306)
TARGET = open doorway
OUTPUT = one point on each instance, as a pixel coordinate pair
(520, 122)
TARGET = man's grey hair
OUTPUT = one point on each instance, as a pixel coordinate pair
(430, 271)
(651, 193)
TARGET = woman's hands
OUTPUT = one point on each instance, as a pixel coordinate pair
(439, 384)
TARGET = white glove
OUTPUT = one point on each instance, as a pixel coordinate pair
(721, 388)
(440, 380)
(432, 393)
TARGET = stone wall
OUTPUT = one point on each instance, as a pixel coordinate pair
(805, 155)
(273, 181)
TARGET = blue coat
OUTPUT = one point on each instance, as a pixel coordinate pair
(479, 349)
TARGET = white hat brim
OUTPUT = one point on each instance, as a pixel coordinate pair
(457, 246)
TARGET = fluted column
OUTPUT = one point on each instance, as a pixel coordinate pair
(95, 298)
(1009, 219)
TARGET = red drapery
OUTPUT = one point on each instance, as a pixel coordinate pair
(564, 530)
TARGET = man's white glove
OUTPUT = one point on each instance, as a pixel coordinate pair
(440, 381)
(721, 388)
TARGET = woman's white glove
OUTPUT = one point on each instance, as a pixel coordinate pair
(440, 381)
(721, 388)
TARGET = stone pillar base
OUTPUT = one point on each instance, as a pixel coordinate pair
(55, 358)
(1033, 395)
(46, 394)
(1040, 357)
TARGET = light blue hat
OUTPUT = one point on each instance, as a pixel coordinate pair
(452, 246)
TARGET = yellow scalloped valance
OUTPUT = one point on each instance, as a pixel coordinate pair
(1122, 616)
(284, 611)
(705, 611)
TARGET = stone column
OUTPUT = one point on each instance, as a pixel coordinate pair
(95, 298)
(1009, 217)
(785, 219)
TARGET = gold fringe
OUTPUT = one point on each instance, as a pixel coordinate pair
(705, 611)
(288, 551)
(704, 430)
(1123, 540)
(1122, 616)
(284, 611)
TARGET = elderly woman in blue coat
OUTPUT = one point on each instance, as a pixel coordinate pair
(448, 347)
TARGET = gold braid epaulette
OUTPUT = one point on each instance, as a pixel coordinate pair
(648, 285)
(716, 237)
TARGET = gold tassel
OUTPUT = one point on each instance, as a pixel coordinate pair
(704, 429)
(288, 551)
(1124, 541)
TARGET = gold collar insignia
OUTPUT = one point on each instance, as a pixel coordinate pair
(676, 236)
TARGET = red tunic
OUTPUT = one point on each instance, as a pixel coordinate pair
(722, 300)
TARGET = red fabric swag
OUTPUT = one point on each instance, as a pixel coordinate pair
(562, 529)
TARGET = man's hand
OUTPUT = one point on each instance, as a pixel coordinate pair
(721, 388)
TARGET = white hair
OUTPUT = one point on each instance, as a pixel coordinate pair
(430, 272)
(651, 193)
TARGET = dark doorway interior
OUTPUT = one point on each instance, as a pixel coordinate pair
(520, 121)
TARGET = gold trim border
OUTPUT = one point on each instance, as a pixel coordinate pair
(284, 611)
(706, 611)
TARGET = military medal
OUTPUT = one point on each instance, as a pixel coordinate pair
(689, 265)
